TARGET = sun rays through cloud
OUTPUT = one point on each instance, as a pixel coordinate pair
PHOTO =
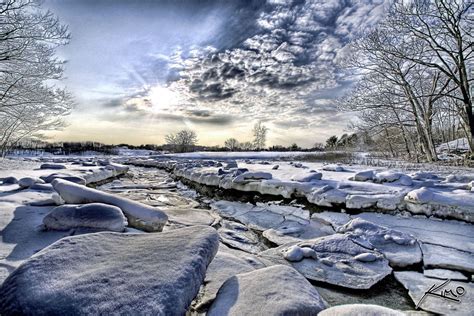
(215, 66)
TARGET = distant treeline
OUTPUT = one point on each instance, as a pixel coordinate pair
(70, 148)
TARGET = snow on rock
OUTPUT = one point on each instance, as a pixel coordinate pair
(447, 233)
(309, 177)
(417, 285)
(139, 215)
(435, 256)
(261, 216)
(366, 175)
(360, 309)
(423, 176)
(334, 168)
(457, 204)
(420, 196)
(252, 176)
(444, 274)
(113, 273)
(460, 144)
(9, 180)
(399, 248)
(103, 173)
(385, 201)
(225, 264)
(333, 259)
(28, 182)
(276, 290)
(182, 217)
(93, 216)
(327, 196)
(64, 176)
(52, 166)
(231, 164)
(275, 167)
(388, 176)
(293, 231)
(240, 237)
(335, 219)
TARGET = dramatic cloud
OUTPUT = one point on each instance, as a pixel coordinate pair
(217, 63)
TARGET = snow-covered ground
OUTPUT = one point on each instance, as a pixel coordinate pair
(243, 154)
(403, 232)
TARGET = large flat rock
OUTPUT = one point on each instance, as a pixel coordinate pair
(435, 256)
(448, 233)
(333, 259)
(277, 290)
(261, 216)
(293, 231)
(240, 237)
(401, 249)
(417, 285)
(360, 309)
(225, 264)
(182, 217)
(112, 273)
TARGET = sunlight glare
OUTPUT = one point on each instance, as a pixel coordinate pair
(162, 98)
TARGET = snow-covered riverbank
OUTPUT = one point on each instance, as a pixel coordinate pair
(216, 256)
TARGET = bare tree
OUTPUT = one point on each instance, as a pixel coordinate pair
(183, 141)
(232, 144)
(260, 135)
(331, 142)
(247, 146)
(441, 34)
(30, 102)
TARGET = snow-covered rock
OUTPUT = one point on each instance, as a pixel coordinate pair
(447, 233)
(417, 285)
(139, 215)
(385, 201)
(52, 166)
(388, 176)
(225, 264)
(294, 231)
(95, 216)
(333, 259)
(252, 176)
(435, 256)
(259, 217)
(9, 180)
(309, 177)
(365, 175)
(181, 217)
(444, 274)
(64, 176)
(231, 164)
(336, 219)
(276, 290)
(399, 248)
(420, 196)
(28, 182)
(334, 168)
(360, 310)
(239, 236)
(441, 203)
(275, 167)
(113, 273)
(423, 176)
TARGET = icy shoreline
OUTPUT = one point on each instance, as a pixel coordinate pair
(379, 190)
(210, 245)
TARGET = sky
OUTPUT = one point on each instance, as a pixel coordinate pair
(142, 69)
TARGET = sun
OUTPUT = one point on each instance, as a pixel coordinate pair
(162, 99)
